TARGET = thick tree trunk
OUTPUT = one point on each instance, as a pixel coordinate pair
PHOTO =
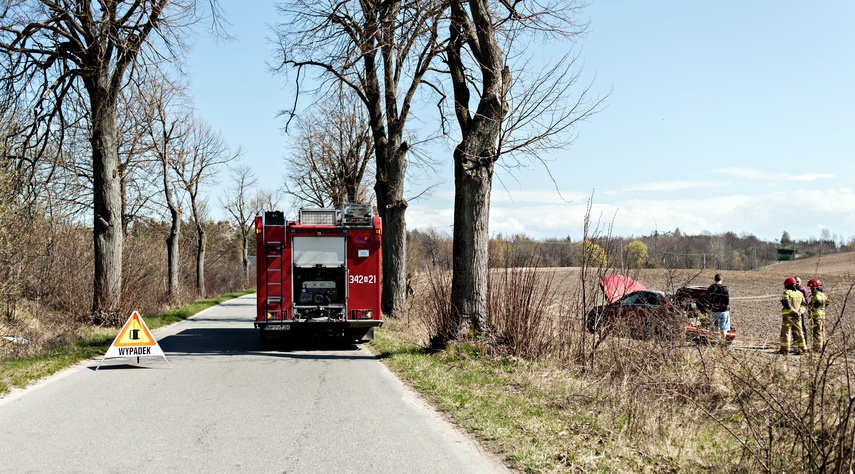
(474, 158)
(471, 237)
(107, 210)
(392, 208)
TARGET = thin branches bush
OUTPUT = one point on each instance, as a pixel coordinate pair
(520, 300)
(796, 413)
(435, 316)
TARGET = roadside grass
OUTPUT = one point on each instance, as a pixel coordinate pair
(86, 343)
(541, 417)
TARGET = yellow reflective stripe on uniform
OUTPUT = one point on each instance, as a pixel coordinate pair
(796, 299)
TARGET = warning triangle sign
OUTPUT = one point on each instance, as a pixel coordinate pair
(134, 340)
(134, 333)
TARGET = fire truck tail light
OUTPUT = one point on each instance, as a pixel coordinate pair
(258, 224)
(362, 314)
(277, 315)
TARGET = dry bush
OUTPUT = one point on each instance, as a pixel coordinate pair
(779, 413)
(36, 329)
(796, 413)
(429, 262)
(223, 270)
(434, 315)
(144, 275)
(14, 236)
(521, 301)
(672, 403)
(428, 250)
(54, 304)
(60, 276)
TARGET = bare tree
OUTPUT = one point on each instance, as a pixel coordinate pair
(138, 169)
(242, 207)
(474, 47)
(202, 152)
(382, 50)
(475, 155)
(15, 231)
(334, 151)
(165, 113)
(265, 199)
(543, 107)
(53, 50)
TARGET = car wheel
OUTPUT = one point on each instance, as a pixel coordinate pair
(591, 322)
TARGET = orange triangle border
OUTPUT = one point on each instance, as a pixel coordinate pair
(134, 317)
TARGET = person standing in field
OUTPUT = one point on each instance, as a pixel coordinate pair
(791, 305)
(805, 291)
(803, 311)
(816, 310)
(718, 297)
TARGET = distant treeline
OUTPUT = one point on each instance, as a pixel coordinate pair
(726, 251)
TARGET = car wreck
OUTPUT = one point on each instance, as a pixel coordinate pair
(637, 312)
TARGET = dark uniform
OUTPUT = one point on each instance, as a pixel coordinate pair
(718, 297)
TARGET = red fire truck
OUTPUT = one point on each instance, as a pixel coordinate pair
(319, 276)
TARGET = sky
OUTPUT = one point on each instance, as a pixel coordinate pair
(725, 116)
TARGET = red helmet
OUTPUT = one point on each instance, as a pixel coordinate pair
(814, 282)
(789, 281)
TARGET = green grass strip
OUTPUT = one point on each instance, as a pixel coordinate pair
(536, 417)
(21, 372)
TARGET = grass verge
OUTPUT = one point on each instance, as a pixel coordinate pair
(542, 418)
(93, 341)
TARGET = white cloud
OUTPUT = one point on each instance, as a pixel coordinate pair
(540, 196)
(802, 213)
(663, 186)
(776, 176)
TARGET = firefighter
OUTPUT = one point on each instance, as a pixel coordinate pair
(803, 311)
(816, 311)
(791, 304)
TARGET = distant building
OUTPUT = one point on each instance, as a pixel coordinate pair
(786, 254)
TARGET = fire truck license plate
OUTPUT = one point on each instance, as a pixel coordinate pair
(282, 327)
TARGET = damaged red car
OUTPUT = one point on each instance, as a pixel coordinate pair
(635, 311)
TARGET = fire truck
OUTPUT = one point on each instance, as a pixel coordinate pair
(318, 276)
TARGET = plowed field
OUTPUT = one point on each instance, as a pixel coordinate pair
(755, 295)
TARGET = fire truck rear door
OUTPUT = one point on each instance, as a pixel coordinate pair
(324, 251)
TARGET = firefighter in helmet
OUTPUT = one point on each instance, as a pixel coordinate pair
(791, 304)
(816, 310)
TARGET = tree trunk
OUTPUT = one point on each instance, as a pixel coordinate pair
(172, 255)
(474, 158)
(107, 210)
(392, 208)
(471, 238)
(200, 260)
(244, 256)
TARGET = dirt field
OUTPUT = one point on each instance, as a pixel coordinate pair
(756, 305)
(755, 295)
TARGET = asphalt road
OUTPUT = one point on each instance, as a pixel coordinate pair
(225, 405)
